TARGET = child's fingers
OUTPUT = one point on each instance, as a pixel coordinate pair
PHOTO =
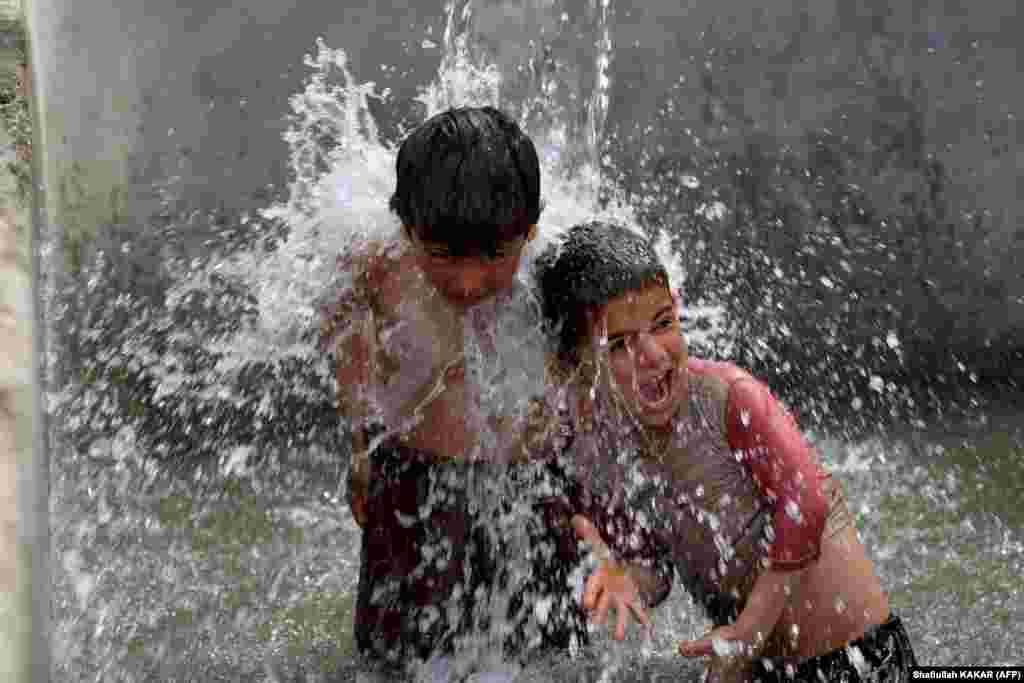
(592, 591)
(583, 527)
(589, 534)
(603, 603)
(639, 613)
(695, 648)
(620, 626)
(357, 505)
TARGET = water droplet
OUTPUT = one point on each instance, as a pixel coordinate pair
(827, 282)
(542, 608)
(793, 512)
(877, 384)
(726, 648)
(856, 403)
(892, 340)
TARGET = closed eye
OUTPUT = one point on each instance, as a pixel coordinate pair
(664, 323)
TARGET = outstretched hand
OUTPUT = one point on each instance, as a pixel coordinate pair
(610, 586)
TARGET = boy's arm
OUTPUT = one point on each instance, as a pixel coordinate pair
(352, 372)
(612, 584)
(735, 645)
(654, 582)
(785, 469)
(348, 330)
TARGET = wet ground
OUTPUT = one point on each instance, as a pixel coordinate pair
(251, 577)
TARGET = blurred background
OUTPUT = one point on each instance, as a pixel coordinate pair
(888, 128)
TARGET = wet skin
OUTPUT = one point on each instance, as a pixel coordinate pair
(794, 612)
(420, 295)
(467, 280)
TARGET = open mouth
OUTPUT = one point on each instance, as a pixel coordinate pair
(655, 394)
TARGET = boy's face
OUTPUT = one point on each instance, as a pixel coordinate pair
(468, 280)
(646, 352)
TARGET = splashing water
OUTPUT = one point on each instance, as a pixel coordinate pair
(338, 201)
(161, 591)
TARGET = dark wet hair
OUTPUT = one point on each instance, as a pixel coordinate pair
(595, 263)
(468, 178)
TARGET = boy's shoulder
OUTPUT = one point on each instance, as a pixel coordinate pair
(362, 273)
(717, 377)
(372, 263)
(736, 391)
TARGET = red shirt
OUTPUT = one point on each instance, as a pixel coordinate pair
(765, 437)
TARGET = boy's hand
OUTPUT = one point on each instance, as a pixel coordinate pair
(730, 652)
(746, 637)
(724, 641)
(359, 482)
(610, 585)
(357, 504)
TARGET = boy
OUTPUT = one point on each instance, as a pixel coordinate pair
(437, 352)
(708, 458)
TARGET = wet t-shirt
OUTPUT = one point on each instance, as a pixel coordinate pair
(735, 488)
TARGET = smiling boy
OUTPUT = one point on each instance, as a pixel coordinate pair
(706, 459)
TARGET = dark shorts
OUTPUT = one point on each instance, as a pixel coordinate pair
(439, 570)
(882, 655)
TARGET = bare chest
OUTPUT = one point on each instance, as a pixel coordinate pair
(444, 377)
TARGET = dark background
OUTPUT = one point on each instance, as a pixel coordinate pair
(867, 154)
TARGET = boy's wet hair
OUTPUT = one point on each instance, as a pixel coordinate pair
(468, 178)
(595, 263)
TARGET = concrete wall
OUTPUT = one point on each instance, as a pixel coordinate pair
(137, 92)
